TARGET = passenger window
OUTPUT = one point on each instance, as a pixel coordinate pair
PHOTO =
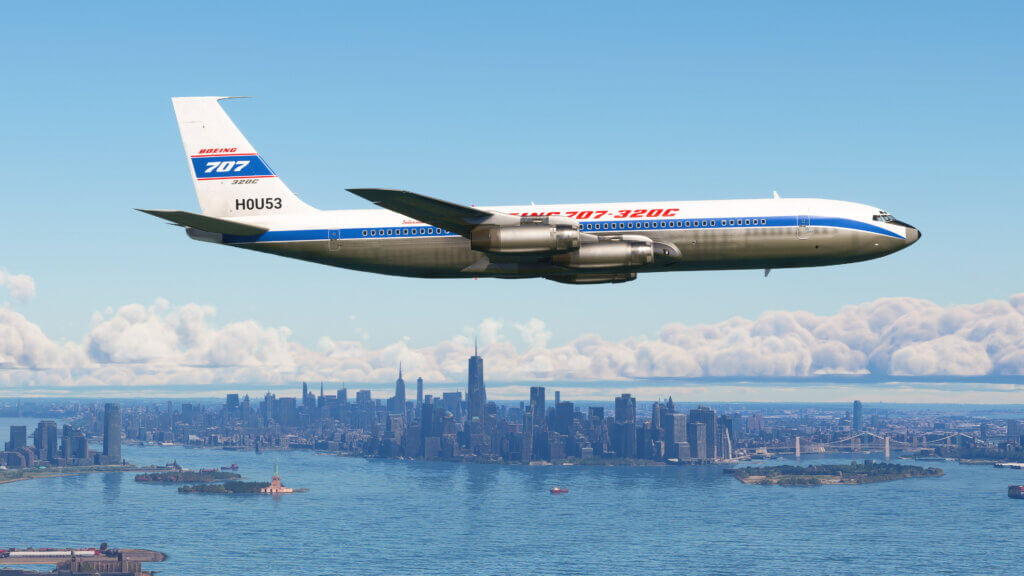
(762, 221)
(605, 226)
(364, 232)
(703, 222)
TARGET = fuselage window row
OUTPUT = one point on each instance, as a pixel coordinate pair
(589, 226)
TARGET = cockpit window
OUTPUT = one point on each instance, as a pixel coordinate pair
(884, 216)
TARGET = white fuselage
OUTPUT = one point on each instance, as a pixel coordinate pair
(718, 234)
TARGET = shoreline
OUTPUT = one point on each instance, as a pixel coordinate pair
(45, 473)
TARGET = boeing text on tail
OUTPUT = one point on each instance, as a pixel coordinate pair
(246, 205)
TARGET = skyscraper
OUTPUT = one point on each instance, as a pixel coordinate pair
(706, 416)
(45, 440)
(675, 435)
(112, 434)
(625, 408)
(287, 412)
(537, 405)
(399, 403)
(476, 394)
(696, 433)
(419, 393)
(1014, 431)
(858, 416)
(19, 438)
(564, 412)
(526, 454)
(625, 426)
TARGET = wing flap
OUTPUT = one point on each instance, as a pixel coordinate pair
(443, 214)
(206, 223)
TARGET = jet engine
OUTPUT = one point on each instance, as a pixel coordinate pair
(612, 254)
(534, 235)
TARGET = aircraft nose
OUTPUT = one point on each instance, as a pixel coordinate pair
(913, 235)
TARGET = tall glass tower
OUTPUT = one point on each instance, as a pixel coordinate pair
(476, 393)
(112, 434)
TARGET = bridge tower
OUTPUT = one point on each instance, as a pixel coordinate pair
(886, 447)
(797, 447)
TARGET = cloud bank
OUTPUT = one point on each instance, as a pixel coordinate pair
(163, 346)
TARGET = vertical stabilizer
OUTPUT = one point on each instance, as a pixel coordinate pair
(230, 177)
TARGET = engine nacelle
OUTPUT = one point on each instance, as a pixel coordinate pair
(534, 235)
(624, 254)
(595, 278)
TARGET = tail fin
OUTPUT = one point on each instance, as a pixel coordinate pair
(231, 179)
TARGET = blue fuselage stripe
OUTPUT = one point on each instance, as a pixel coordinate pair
(385, 232)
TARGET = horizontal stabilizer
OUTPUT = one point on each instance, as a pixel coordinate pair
(452, 217)
(206, 223)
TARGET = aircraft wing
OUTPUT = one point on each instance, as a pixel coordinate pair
(207, 223)
(447, 215)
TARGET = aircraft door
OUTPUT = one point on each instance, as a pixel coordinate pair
(803, 227)
(334, 239)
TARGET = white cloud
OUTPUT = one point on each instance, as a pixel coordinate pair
(164, 346)
(534, 333)
(20, 286)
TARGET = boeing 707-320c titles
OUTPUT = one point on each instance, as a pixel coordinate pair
(246, 205)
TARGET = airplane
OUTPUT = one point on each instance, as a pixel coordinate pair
(245, 204)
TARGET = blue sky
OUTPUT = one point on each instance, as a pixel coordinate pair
(914, 107)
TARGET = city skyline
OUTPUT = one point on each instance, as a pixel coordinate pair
(456, 427)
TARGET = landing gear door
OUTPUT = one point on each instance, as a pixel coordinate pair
(803, 227)
(334, 240)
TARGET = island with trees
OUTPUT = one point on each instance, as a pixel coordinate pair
(229, 487)
(186, 476)
(822, 474)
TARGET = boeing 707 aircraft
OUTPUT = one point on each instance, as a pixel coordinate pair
(246, 205)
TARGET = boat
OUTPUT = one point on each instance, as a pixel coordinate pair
(232, 467)
(1015, 492)
(557, 490)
